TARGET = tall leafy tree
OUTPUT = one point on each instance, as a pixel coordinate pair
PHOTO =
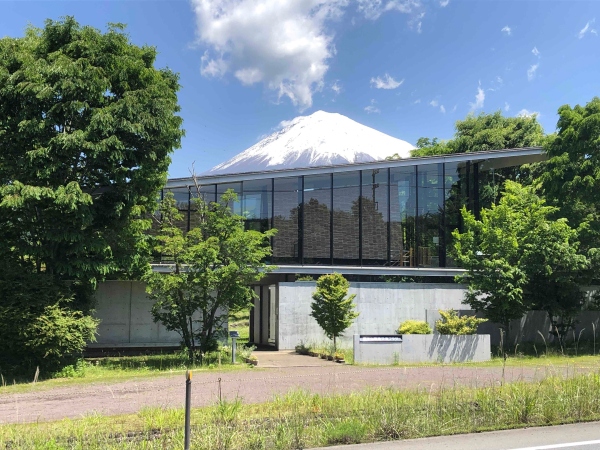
(87, 124)
(214, 265)
(333, 311)
(485, 132)
(571, 180)
(517, 258)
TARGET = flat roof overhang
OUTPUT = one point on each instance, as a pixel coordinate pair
(510, 157)
(349, 270)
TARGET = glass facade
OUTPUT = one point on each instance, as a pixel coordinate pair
(389, 216)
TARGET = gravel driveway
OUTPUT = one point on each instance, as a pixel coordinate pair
(278, 373)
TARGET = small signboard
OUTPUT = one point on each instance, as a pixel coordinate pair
(380, 338)
(234, 334)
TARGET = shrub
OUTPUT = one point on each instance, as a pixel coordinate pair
(414, 327)
(451, 323)
(302, 349)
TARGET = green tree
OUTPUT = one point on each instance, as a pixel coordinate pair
(518, 258)
(214, 265)
(485, 132)
(571, 180)
(333, 311)
(87, 125)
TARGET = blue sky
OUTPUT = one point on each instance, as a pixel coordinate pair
(408, 68)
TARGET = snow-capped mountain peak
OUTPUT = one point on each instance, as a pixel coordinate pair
(320, 139)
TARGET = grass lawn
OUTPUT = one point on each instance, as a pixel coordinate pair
(303, 420)
(240, 321)
(120, 369)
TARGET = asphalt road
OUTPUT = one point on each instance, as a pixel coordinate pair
(583, 436)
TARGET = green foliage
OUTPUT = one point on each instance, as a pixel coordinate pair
(451, 323)
(517, 257)
(304, 278)
(38, 326)
(485, 132)
(86, 128)
(333, 311)
(414, 327)
(571, 180)
(87, 125)
(213, 267)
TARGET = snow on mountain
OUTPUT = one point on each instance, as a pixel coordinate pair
(321, 139)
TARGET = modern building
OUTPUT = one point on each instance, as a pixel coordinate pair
(387, 220)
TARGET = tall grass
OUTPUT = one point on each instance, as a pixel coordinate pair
(302, 420)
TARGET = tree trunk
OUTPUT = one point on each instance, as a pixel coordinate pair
(334, 345)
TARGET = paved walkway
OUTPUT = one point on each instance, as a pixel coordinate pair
(287, 358)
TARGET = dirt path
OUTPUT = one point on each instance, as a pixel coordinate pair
(282, 373)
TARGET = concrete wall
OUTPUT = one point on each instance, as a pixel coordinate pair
(125, 319)
(382, 306)
(423, 348)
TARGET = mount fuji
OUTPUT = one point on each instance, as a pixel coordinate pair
(321, 139)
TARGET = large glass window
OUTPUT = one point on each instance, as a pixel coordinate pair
(317, 219)
(286, 205)
(430, 204)
(374, 204)
(208, 192)
(236, 206)
(256, 204)
(346, 193)
(403, 204)
(456, 196)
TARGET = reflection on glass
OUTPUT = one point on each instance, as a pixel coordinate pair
(430, 203)
(317, 219)
(346, 192)
(256, 204)
(455, 196)
(236, 206)
(403, 203)
(286, 201)
(208, 192)
(374, 203)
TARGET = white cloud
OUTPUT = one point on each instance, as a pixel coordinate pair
(506, 106)
(587, 29)
(444, 3)
(284, 44)
(454, 109)
(479, 99)
(417, 101)
(442, 109)
(372, 9)
(386, 82)
(336, 87)
(372, 109)
(417, 21)
(527, 113)
(535, 51)
(506, 30)
(434, 103)
(531, 71)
